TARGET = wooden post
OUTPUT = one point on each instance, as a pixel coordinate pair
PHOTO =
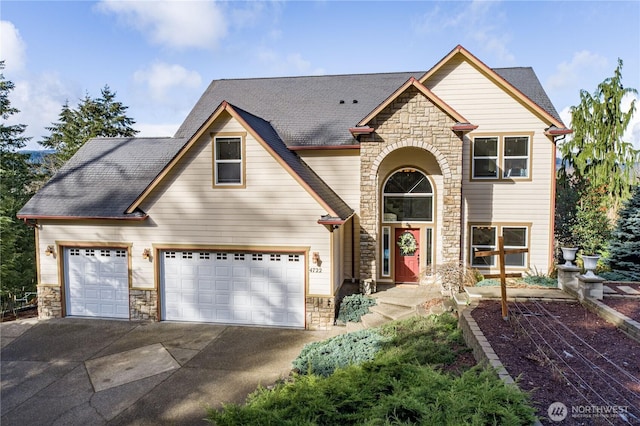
(501, 252)
(503, 279)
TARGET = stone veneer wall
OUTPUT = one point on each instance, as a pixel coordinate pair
(49, 302)
(143, 305)
(410, 121)
(321, 312)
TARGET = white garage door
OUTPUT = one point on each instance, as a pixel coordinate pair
(233, 288)
(97, 282)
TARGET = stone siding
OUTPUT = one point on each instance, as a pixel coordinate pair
(49, 302)
(410, 121)
(143, 305)
(321, 312)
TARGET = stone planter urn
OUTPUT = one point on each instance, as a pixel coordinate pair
(569, 255)
(590, 264)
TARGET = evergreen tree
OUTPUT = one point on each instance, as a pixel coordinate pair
(100, 117)
(17, 241)
(624, 250)
(596, 153)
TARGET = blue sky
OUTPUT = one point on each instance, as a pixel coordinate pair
(160, 56)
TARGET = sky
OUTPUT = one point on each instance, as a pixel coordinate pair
(160, 56)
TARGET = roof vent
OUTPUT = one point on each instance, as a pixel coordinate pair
(341, 101)
(355, 101)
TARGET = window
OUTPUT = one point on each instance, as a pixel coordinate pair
(500, 157)
(516, 156)
(515, 238)
(485, 158)
(228, 161)
(408, 196)
(386, 251)
(485, 238)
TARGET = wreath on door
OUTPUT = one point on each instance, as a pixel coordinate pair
(407, 244)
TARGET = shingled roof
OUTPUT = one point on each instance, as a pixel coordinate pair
(319, 110)
(108, 174)
(102, 179)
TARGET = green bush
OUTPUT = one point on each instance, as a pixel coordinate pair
(353, 307)
(541, 280)
(401, 385)
(487, 282)
(323, 358)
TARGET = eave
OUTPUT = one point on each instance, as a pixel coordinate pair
(322, 147)
(556, 131)
(131, 218)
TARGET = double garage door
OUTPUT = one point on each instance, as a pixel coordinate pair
(233, 287)
(203, 286)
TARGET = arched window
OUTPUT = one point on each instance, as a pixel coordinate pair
(407, 196)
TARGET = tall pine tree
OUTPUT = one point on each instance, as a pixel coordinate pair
(17, 241)
(624, 250)
(99, 117)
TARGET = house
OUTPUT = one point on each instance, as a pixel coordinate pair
(275, 191)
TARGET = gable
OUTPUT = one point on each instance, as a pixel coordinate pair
(460, 76)
(264, 135)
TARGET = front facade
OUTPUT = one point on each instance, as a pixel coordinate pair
(276, 191)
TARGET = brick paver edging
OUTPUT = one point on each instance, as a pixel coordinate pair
(627, 325)
(482, 350)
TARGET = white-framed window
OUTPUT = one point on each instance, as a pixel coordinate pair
(501, 157)
(407, 196)
(485, 238)
(485, 158)
(386, 251)
(228, 161)
(515, 237)
(515, 157)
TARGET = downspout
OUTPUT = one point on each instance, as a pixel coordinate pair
(353, 250)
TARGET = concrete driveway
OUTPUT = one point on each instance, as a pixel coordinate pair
(74, 371)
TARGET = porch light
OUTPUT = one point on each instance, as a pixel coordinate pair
(315, 259)
(49, 251)
(146, 253)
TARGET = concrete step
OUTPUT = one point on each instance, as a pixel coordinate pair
(373, 319)
(393, 311)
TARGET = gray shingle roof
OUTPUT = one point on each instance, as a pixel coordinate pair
(104, 177)
(307, 111)
(269, 135)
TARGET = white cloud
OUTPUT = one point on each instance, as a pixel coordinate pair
(291, 64)
(13, 48)
(633, 129)
(160, 78)
(478, 20)
(567, 73)
(176, 24)
(40, 101)
(156, 130)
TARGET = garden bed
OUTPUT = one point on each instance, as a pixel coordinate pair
(561, 352)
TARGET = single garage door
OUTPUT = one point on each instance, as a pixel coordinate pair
(233, 288)
(97, 282)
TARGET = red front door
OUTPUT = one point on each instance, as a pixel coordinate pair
(407, 255)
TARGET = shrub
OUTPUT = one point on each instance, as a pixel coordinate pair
(541, 279)
(323, 358)
(487, 282)
(454, 276)
(353, 307)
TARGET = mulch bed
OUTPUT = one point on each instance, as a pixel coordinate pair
(561, 352)
(31, 312)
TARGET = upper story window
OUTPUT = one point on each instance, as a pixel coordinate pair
(408, 196)
(501, 157)
(228, 168)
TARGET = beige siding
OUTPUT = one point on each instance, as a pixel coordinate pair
(484, 104)
(340, 169)
(272, 211)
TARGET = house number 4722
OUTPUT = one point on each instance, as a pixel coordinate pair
(315, 270)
